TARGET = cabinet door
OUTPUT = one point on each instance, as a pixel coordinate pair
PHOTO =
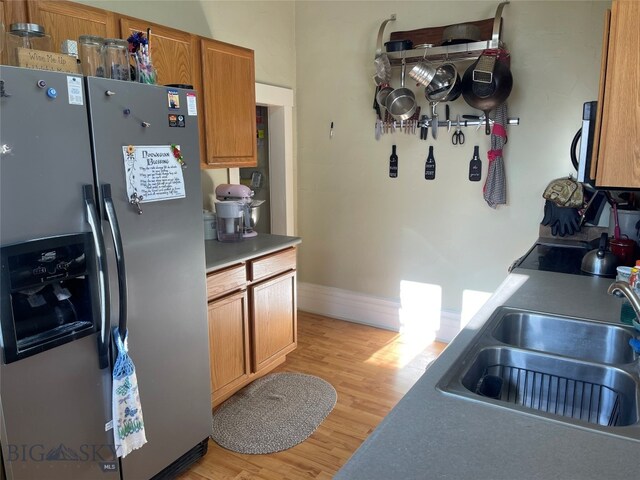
(176, 56)
(68, 20)
(11, 11)
(618, 156)
(228, 344)
(228, 79)
(273, 319)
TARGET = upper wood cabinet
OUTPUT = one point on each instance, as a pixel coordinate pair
(69, 20)
(176, 56)
(222, 74)
(11, 11)
(228, 78)
(616, 149)
(174, 53)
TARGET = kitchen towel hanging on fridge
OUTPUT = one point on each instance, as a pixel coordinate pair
(128, 424)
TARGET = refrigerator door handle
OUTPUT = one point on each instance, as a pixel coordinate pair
(112, 219)
(94, 222)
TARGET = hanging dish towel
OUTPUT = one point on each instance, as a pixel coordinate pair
(128, 425)
(495, 188)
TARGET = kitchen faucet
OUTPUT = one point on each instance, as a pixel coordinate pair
(624, 289)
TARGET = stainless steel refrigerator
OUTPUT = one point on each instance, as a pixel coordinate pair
(99, 228)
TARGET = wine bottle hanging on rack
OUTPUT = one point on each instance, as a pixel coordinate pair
(430, 166)
(393, 163)
(475, 166)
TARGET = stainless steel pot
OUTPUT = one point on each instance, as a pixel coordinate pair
(383, 93)
(401, 103)
(445, 84)
(600, 261)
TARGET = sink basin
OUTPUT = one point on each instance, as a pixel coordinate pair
(575, 371)
(596, 394)
(597, 342)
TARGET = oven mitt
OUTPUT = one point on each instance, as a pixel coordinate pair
(549, 214)
(568, 220)
(565, 192)
(562, 220)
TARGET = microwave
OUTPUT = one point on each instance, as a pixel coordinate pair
(585, 135)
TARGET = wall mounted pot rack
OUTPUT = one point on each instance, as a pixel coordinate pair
(490, 30)
(430, 47)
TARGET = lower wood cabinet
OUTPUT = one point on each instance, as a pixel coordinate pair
(273, 319)
(229, 343)
(252, 316)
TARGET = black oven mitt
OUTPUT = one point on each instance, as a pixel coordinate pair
(562, 220)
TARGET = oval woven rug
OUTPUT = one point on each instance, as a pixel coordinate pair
(273, 413)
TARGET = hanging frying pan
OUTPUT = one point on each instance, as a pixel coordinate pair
(486, 96)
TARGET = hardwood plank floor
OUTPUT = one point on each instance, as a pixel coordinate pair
(370, 368)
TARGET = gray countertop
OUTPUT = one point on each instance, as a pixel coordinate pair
(219, 254)
(431, 434)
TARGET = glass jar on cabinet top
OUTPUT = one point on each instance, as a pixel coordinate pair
(26, 36)
(116, 59)
(91, 58)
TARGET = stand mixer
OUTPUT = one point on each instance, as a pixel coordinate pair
(244, 196)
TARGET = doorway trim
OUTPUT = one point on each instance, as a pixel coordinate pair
(279, 101)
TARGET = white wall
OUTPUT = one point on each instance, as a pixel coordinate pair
(364, 232)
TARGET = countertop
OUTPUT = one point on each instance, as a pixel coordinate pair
(431, 434)
(222, 254)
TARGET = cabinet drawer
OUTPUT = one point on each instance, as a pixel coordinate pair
(227, 280)
(272, 264)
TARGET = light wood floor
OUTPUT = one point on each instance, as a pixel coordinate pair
(371, 369)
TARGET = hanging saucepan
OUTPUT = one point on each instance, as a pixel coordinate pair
(401, 103)
(487, 96)
(445, 85)
(383, 92)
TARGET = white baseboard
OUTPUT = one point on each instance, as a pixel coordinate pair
(366, 309)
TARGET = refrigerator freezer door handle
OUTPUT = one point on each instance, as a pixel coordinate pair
(94, 222)
(112, 219)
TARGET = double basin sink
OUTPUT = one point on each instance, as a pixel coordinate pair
(574, 371)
